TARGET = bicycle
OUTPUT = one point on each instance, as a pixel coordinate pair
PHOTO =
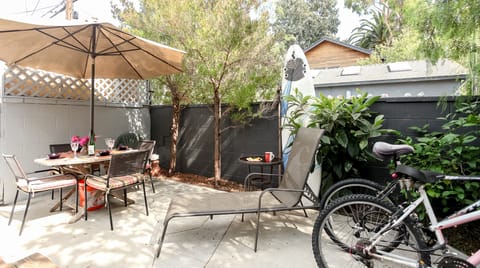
(383, 151)
(376, 233)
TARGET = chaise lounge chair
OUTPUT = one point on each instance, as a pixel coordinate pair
(288, 196)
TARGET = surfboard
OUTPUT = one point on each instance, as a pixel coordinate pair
(296, 75)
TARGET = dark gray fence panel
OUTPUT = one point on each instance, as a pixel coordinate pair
(195, 147)
(196, 143)
(403, 113)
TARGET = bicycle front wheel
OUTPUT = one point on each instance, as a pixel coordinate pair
(357, 219)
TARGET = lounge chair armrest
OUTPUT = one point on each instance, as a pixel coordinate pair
(249, 177)
(270, 190)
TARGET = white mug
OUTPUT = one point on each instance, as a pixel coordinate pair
(269, 156)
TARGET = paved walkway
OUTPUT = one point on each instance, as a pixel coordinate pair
(225, 241)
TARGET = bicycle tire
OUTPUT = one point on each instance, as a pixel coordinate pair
(355, 186)
(365, 209)
(348, 187)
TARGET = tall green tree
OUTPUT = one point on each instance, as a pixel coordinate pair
(404, 42)
(366, 6)
(451, 29)
(403, 48)
(372, 32)
(383, 26)
(231, 57)
(305, 21)
(156, 20)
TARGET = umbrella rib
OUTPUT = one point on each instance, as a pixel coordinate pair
(59, 41)
(114, 46)
(139, 48)
(72, 34)
(73, 47)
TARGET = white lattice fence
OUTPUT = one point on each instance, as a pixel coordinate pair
(24, 82)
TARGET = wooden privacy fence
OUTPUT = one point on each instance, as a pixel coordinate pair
(30, 83)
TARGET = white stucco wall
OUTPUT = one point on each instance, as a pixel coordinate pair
(28, 126)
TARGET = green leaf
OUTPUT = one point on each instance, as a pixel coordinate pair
(371, 100)
(433, 193)
(353, 151)
(448, 193)
(342, 139)
(363, 144)
(348, 166)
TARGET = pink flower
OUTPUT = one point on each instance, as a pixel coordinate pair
(84, 141)
(75, 138)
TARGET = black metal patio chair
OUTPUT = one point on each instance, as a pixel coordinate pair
(125, 170)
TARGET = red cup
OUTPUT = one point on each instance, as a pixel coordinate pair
(269, 156)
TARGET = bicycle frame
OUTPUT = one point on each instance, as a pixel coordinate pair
(467, 214)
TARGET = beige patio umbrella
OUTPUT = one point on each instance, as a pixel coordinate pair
(94, 50)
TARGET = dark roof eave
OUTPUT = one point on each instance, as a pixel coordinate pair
(390, 81)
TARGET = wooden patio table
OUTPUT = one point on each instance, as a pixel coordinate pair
(81, 167)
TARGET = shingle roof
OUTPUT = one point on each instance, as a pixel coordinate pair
(379, 73)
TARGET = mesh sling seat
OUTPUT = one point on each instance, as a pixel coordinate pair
(148, 145)
(127, 139)
(288, 196)
(125, 170)
(59, 148)
(30, 184)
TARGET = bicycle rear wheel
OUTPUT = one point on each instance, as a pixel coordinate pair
(357, 218)
(349, 187)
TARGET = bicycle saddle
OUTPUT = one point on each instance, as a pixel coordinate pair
(424, 176)
(385, 150)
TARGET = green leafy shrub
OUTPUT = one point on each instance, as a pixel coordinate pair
(450, 152)
(348, 123)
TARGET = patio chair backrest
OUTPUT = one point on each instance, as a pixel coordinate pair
(300, 161)
(59, 148)
(14, 166)
(148, 145)
(127, 163)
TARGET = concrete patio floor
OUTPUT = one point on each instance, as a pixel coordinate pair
(225, 241)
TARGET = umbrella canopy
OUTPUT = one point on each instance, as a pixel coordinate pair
(91, 50)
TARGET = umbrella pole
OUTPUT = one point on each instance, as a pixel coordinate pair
(92, 92)
(92, 99)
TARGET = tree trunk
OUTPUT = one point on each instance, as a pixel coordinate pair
(217, 166)
(176, 111)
